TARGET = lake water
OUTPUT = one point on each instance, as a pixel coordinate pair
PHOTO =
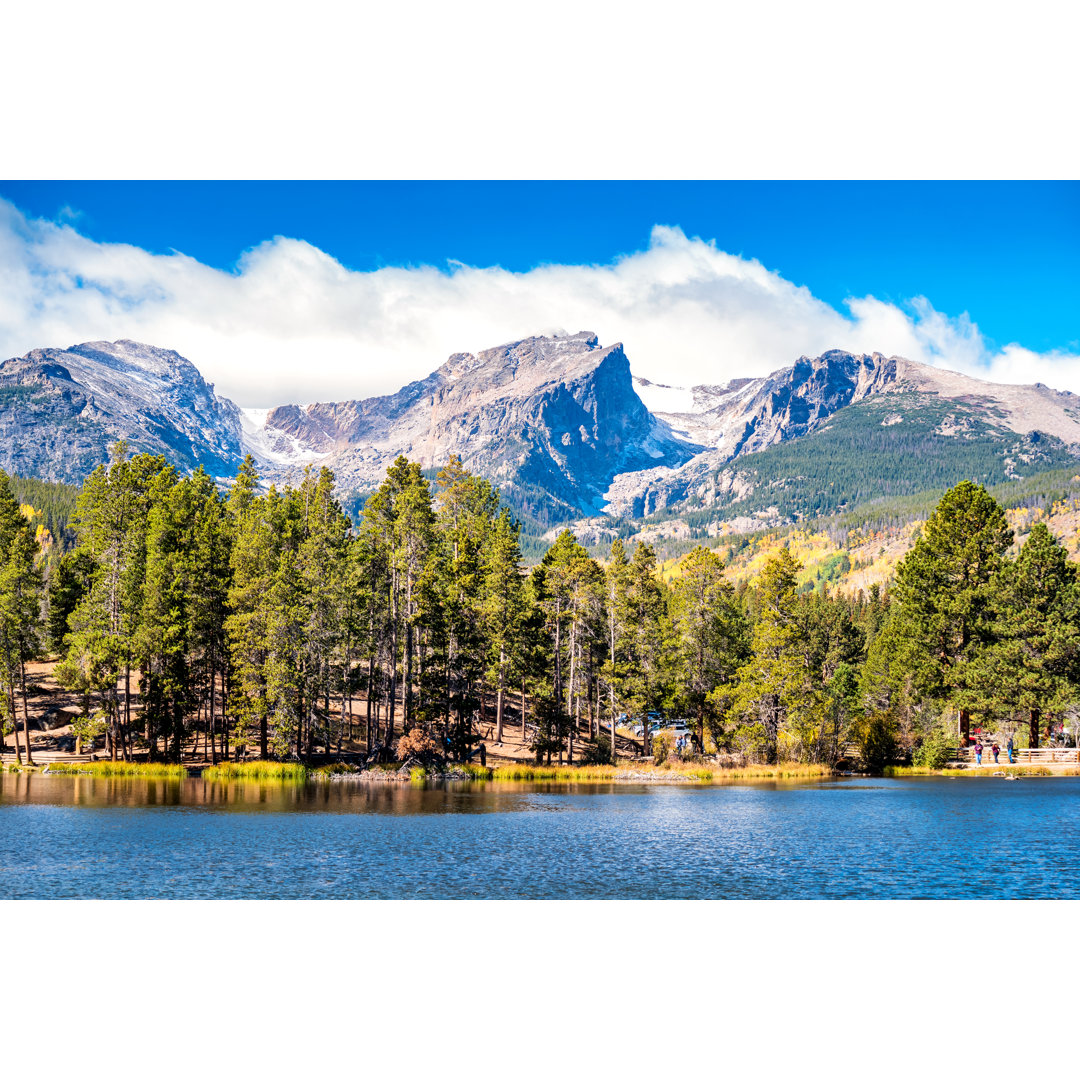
(848, 838)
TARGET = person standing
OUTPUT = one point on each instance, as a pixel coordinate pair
(1009, 749)
(978, 751)
(995, 750)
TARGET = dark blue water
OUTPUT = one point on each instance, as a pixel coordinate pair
(84, 837)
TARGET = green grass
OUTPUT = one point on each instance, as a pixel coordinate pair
(338, 768)
(257, 770)
(553, 772)
(152, 770)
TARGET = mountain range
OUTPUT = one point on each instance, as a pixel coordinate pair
(562, 426)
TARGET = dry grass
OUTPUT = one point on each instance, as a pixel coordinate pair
(1007, 770)
(686, 770)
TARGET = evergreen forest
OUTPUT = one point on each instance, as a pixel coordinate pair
(188, 619)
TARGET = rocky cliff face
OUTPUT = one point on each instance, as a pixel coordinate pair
(547, 419)
(749, 415)
(60, 409)
(558, 423)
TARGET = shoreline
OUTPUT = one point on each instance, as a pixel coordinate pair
(687, 773)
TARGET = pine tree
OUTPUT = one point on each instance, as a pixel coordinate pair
(1033, 663)
(467, 506)
(182, 626)
(503, 606)
(254, 553)
(944, 596)
(649, 637)
(112, 516)
(21, 589)
(616, 607)
(399, 527)
(321, 563)
(711, 631)
(776, 694)
(554, 584)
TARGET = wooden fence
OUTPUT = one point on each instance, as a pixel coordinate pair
(1044, 755)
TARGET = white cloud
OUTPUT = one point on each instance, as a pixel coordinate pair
(292, 324)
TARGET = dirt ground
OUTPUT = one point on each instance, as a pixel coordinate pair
(51, 710)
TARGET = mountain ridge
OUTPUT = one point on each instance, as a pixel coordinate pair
(559, 423)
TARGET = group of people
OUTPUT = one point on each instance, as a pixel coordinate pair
(994, 749)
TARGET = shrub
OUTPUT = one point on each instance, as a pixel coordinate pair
(935, 751)
(416, 744)
(600, 754)
(663, 746)
(88, 728)
(876, 742)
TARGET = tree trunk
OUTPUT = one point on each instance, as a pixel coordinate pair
(965, 727)
(1033, 721)
(407, 709)
(211, 733)
(499, 698)
(26, 713)
(127, 702)
(15, 725)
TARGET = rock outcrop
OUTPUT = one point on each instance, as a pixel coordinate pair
(748, 415)
(60, 409)
(551, 420)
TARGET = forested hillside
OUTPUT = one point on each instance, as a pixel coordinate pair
(882, 449)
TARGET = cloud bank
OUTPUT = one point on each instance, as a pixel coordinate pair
(290, 323)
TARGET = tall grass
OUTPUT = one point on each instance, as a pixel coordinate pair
(257, 770)
(687, 770)
(336, 768)
(987, 771)
(477, 772)
(553, 772)
(149, 769)
(787, 771)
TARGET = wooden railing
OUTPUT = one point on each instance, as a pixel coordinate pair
(1044, 755)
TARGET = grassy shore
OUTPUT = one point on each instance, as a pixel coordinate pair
(901, 771)
(632, 773)
(151, 770)
(257, 770)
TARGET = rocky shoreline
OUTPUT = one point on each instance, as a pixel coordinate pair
(404, 776)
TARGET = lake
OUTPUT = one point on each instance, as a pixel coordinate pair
(67, 836)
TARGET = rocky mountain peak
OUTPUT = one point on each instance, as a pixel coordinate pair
(555, 415)
(89, 395)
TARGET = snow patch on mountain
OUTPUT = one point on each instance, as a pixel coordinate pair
(659, 398)
(271, 446)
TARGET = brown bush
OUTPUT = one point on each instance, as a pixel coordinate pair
(416, 743)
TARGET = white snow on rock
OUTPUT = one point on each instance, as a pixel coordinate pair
(659, 398)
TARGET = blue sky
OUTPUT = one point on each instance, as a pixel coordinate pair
(310, 291)
(1006, 253)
